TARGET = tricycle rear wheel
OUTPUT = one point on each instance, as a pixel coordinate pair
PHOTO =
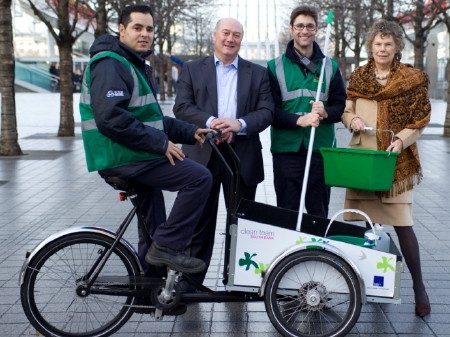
(54, 294)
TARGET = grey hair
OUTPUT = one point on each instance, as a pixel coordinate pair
(386, 28)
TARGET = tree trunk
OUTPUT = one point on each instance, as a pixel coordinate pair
(162, 75)
(152, 60)
(101, 19)
(169, 65)
(66, 123)
(9, 145)
(447, 114)
(169, 79)
(390, 9)
(418, 52)
(357, 52)
(161, 72)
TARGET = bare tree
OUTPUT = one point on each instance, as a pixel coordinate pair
(363, 15)
(163, 19)
(197, 30)
(101, 19)
(340, 23)
(351, 20)
(422, 19)
(107, 13)
(170, 41)
(192, 14)
(167, 14)
(9, 145)
(70, 15)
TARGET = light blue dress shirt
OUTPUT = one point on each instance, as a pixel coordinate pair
(227, 77)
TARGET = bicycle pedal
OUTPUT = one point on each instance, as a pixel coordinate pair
(159, 314)
(180, 309)
(176, 311)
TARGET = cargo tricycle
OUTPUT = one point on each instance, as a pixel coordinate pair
(88, 281)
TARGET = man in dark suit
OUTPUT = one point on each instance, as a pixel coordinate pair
(226, 92)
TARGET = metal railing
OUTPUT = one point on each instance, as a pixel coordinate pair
(36, 77)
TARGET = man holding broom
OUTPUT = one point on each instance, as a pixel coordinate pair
(294, 78)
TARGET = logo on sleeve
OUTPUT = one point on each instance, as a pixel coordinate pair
(115, 93)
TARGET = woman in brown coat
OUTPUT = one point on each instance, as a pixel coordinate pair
(387, 94)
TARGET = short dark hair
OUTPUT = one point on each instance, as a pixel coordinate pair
(125, 18)
(303, 10)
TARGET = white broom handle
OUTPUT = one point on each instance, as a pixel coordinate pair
(313, 129)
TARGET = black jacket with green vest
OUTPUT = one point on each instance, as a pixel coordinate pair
(122, 122)
(293, 87)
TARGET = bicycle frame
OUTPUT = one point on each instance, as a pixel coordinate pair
(146, 283)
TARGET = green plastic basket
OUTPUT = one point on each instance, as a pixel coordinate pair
(351, 240)
(360, 169)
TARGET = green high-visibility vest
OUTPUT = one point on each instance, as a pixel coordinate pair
(101, 151)
(297, 92)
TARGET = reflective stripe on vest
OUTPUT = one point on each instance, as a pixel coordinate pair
(288, 95)
(91, 125)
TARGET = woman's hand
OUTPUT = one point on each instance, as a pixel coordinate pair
(357, 124)
(396, 146)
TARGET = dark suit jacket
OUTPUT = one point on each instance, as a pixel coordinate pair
(196, 101)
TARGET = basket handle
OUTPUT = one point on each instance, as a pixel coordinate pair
(350, 210)
(368, 128)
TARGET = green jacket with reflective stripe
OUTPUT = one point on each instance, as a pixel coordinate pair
(297, 92)
(101, 151)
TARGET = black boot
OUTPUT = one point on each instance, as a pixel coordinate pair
(178, 261)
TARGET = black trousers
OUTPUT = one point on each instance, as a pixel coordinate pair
(288, 173)
(152, 201)
(203, 241)
(191, 180)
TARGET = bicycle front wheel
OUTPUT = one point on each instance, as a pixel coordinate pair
(52, 295)
(313, 293)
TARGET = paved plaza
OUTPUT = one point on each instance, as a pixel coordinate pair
(49, 189)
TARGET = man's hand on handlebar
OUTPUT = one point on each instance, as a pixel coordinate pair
(228, 126)
(200, 135)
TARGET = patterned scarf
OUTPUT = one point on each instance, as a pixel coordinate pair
(402, 103)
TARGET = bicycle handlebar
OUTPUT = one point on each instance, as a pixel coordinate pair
(214, 136)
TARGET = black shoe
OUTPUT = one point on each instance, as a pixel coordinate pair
(178, 261)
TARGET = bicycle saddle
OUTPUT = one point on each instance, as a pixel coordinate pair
(120, 184)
